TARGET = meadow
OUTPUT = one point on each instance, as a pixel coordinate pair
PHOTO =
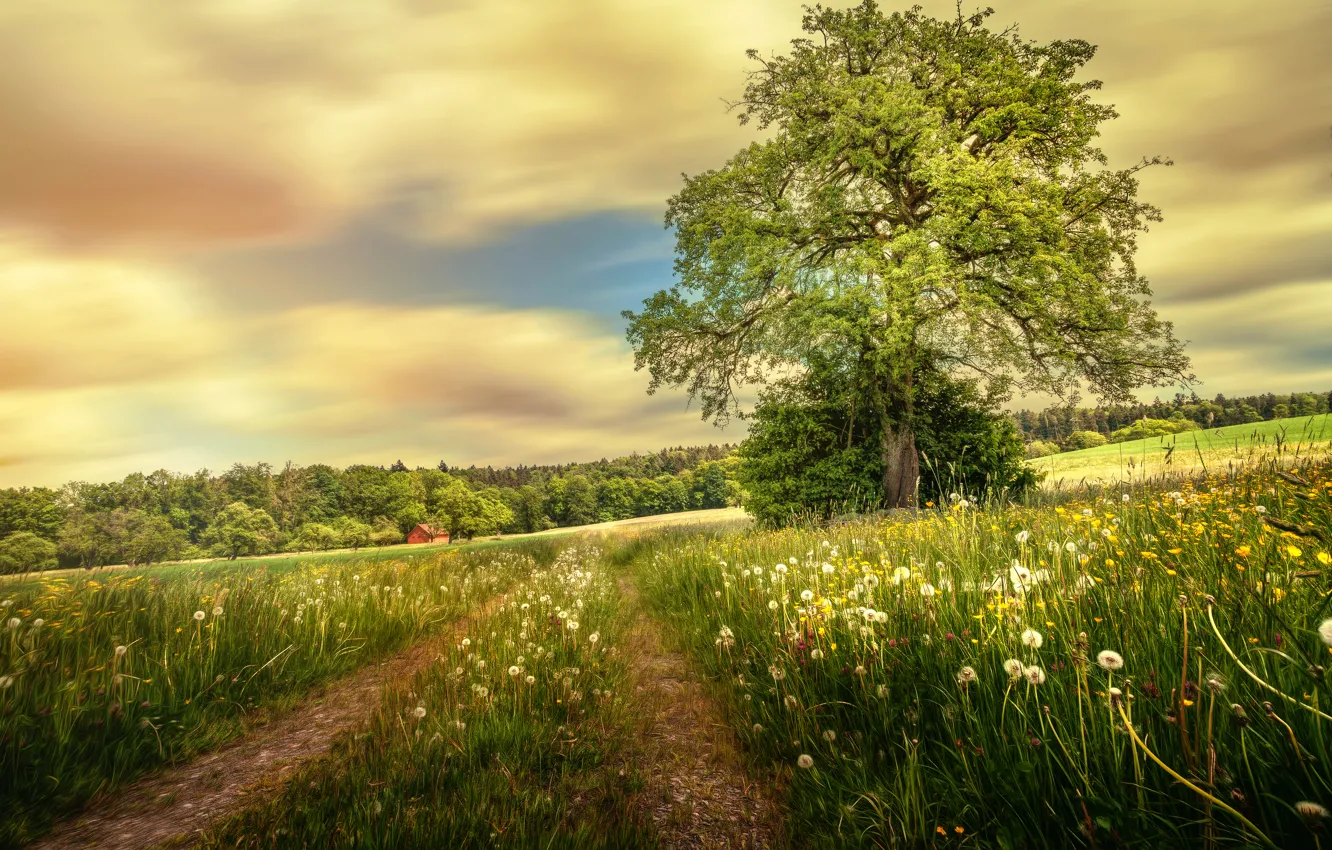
(1140, 667)
(105, 678)
(1113, 667)
(1162, 458)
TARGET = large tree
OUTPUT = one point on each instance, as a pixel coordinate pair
(927, 196)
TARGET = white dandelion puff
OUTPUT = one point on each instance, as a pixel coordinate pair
(1032, 639)
(805, 761)
(1109, 659)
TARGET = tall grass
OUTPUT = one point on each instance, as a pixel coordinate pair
(513, 738)
(955, 679)
(103, 680)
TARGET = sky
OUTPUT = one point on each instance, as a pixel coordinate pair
(356, 232)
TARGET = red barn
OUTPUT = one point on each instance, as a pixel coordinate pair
(425, 534)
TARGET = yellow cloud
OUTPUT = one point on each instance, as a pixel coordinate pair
(140, 374)
(76, 322)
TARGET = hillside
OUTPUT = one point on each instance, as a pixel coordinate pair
(1187, 452)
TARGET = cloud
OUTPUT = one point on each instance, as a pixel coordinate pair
(70, 323)
(222, 121)
(147, 375)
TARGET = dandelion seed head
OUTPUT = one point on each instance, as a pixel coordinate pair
(1035, 675)
(419, 712)
(1013, 668)
(1032, 639)
(805, 762)
(1109, 659)
(1325, 631)
(199, 615)
(966, 675)
(120, 651)
(1311, 812)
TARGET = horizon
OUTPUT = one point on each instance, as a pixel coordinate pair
(238, 233)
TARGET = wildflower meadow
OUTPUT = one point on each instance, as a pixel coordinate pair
(1128, 667)
(106, 679)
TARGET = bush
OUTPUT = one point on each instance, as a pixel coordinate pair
(1041, 448)
(1084, 440)
(813, 454)
(1145, 428)
(25, 552)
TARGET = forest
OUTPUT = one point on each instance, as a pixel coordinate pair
(255, 509)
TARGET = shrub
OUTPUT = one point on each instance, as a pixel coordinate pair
(1084, 440)
(1145, 428)
(1041, 448)
(23, 552)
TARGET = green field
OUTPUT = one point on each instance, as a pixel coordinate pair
(1192, 451)
(1142, 667)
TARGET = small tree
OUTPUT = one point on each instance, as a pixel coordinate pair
(929, 197)
(314, 536)
(239, 529)
(25, 552)
(353, 533)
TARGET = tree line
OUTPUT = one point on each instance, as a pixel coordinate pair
(1069, 428)
(256, 509)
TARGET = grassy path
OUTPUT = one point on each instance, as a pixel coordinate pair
(177, 803)
(698, 793)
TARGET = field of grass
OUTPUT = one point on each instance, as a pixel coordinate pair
(1132, 666)
(1187, 453)
(514, 738)
(399, 553)
(102, 679)
(1144, 668)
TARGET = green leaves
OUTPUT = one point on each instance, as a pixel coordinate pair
(930, 194)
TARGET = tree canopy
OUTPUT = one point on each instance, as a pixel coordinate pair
(928, 196)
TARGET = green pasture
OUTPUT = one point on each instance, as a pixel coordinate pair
(1189, 452)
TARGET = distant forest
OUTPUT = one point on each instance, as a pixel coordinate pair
(1059, 424)
(256, 509)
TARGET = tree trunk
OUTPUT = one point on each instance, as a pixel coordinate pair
(901, 462)
(901, 465)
